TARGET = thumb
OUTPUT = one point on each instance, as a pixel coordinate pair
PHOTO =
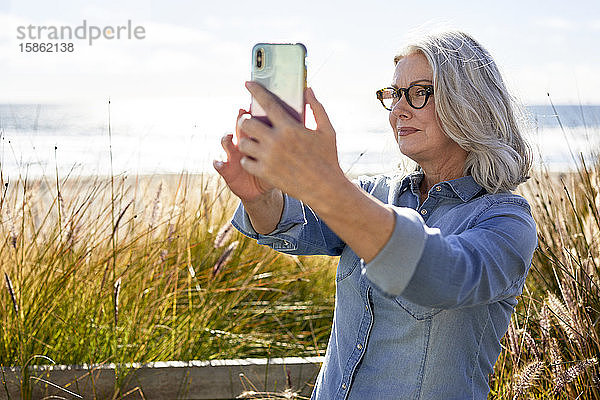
(321, 117)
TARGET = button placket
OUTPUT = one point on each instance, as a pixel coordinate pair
(364, 331)
(429, 203)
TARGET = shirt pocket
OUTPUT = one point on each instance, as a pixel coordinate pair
(417, 311)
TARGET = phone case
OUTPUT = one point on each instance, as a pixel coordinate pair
(281, 68)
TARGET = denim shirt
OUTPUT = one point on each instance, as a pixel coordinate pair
(424, 318)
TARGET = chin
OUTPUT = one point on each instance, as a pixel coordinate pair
(408, 151)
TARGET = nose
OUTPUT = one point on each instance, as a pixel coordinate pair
(401, 109)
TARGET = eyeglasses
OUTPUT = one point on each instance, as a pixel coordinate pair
(416, 96)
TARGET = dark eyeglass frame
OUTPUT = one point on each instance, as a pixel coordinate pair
(400, 91)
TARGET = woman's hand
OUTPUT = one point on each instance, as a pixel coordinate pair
(287, 155)
(246, 186)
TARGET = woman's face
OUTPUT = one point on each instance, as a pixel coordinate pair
(418, 132)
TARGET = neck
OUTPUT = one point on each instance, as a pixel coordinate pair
(441, 170)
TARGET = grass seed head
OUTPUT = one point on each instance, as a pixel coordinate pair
(116, 292)
(156, 207)
(223, 235)
(224, 258)
(527, 377)
(571, 373)
(9, 286)
(562, 316)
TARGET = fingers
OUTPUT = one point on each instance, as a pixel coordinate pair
(270, 103)
(241, 116)
(321, 117)
(250, 127)
(229, 169)
(225, 169)
(222, 167)
(249, 147)
(251, 166)
(218, 165)
(254, 129)
(229, 147)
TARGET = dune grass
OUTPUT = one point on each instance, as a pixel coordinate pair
(551, 349)
(151, 270)
(163, 276)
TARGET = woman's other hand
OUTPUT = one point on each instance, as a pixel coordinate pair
(243, 184)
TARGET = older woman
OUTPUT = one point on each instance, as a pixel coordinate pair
(431, 263)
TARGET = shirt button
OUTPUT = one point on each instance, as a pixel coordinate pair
(344, 386)
(359, 346)
(438, 188)
(366, 307)
(423, 211)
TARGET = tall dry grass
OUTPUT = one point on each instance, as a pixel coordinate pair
(552, 347)
(139, 269)
(152, 270)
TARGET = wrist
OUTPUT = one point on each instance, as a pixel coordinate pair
(264, 198)
(265, 211)
(326, 198)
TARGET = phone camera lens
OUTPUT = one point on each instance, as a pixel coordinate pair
(259, 58)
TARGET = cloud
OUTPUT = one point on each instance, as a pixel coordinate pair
(9, 23)
(567, 84)
(555, 23)
(172, 35)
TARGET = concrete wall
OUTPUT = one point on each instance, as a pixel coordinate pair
(217, 379)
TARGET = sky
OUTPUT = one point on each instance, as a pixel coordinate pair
(177, 88)
(201, 49)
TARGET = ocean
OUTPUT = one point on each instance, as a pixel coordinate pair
(172, 136)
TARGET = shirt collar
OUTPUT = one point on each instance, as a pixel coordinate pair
(464, 187)
(412, 182)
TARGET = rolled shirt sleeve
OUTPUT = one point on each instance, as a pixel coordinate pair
(485, 263)
(393, 267)
(300, 231)
(293, 214)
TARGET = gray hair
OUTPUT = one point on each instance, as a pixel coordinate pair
(475, 109)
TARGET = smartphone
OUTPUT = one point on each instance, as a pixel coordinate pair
(280, 68)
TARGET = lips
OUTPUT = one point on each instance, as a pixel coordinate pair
(407, 130)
